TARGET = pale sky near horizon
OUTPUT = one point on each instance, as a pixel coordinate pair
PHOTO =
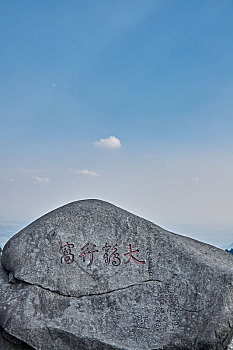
(127, 101)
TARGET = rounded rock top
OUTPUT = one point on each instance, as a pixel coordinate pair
(103, 275)
(84, 247)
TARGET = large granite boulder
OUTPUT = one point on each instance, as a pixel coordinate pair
(91, 276)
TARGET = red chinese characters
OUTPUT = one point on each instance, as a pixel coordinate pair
(130, 255)
(111, 255)
(86, 251)
(67, 257)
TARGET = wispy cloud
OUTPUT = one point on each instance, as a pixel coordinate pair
(40, 180)
(178, 182)
(7, 223)
(194, 179)
(86, 172)
(31, 171)
(110, 142)
(175, 182)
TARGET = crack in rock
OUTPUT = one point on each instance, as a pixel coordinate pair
(87, 295)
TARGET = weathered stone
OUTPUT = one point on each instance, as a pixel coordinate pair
(171, 293)
(11, 278)
(8, 342)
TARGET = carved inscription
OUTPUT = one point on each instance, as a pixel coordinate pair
(114, 256)
(111, 254)
(67, 255)
(150, 261)
(130, 255)
(142, 321)
(86, 251)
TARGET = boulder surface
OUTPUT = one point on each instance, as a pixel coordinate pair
(92, 276)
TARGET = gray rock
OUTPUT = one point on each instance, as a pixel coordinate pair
(90, 275)
(8, 342)
(11, 278)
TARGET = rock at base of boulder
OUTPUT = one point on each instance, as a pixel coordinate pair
(8, 342)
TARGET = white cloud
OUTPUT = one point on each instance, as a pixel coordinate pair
(194, 179)
(86, 172)
(110, 142)
(40, 180)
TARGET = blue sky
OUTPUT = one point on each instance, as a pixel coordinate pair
(126, 101)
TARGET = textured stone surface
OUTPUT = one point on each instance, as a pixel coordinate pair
(7, 342)
(171, 293)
